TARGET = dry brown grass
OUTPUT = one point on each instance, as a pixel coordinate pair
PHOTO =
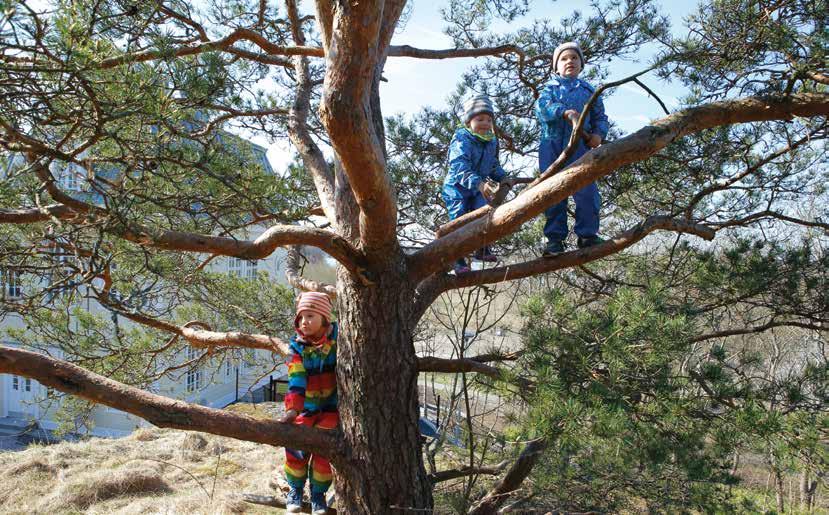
(152, 471)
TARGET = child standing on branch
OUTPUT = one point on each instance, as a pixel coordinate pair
(474, 171)
(312, 396)
(558, 109)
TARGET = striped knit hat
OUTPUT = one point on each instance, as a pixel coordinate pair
(315, 302)
(570, 45)
(474, 106)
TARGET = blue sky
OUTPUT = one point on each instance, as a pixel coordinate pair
(414, 83)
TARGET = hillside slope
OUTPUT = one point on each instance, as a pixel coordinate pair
(151, 471)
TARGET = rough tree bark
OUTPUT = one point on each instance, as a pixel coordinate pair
(377, 381)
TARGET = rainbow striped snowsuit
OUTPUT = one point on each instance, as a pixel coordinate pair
(312, 392)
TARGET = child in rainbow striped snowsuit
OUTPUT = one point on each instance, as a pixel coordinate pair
(312, 395)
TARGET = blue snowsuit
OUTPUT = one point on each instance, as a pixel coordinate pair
(471, 160)
(561, 94)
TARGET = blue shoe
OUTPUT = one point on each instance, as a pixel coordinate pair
(318, 504)
(589, 241)
(293, 502)
(553, 249)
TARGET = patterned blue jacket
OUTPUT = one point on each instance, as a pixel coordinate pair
(559, 95)
(471, 160)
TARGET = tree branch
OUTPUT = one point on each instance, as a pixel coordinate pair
(573, 258)
(276, 236)
(310, 153)
(163, 411)
(758, 329)
(224, 44)
(295, 279)
(497, 356)
(761, 215)
(512, 480)
(271, 52)
(724, 184)
(818, 77)
(197, 334)
(452, 53)
(503, 220)
(352, 57)
(34, 215)
(446, 475)
(446, 365)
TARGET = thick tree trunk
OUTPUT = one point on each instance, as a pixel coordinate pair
(377, 381)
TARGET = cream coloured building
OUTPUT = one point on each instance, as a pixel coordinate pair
(216, 384)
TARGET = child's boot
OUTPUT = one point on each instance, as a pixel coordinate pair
(553, 249)
(293, 503)
(461, 266)
(589, 241)
(318, 504)
(485, 254)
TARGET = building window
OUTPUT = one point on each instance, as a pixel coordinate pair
(28, 384)
(194, 373)
(250, 272)
(242, 268)
(69, 179)
(12, 280)
(15, 383)
(235, 266)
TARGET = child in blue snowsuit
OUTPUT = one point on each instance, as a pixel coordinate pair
(561, 102)
(473, 158)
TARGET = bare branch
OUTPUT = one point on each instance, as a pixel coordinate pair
(818, 77)
(273, 238)
(497, 356)
(500, 196)
(447, 365)
(512, 480)
(576, 257)
(820, 326)
(34, 215)
(225, 44)
(446, 475)
(198, 335)
(295, 279)
(505, 219)
(724, 184)
(451, 53)
(309, 151)
(764, 215)
(163, 411)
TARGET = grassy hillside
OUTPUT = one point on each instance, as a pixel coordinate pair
(152, 471)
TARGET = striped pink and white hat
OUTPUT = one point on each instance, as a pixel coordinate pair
(315, 302)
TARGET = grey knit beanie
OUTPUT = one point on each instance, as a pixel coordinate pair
(474, 106)
(570, 45)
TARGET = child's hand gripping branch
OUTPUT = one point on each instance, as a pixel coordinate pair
(488, 188)
(592, 140)
(289, 416)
